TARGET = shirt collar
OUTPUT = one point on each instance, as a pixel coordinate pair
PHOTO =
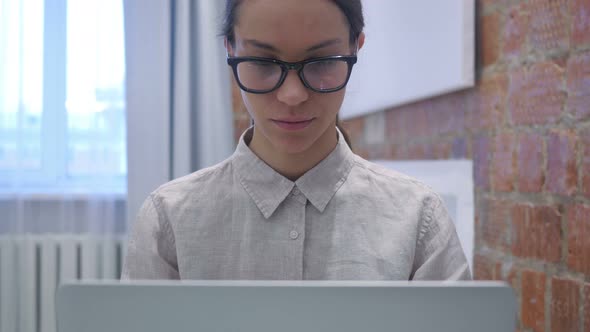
(268, 189)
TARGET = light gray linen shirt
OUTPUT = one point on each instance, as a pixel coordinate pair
(345, 219)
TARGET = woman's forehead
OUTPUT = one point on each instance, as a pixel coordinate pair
(290, 25)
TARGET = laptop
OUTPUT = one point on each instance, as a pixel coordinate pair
(285, 306)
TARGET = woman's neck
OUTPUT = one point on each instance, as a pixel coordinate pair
(293, 165)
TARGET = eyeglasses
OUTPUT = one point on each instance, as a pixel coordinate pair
(264, 75)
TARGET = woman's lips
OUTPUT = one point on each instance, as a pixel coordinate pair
(292, 125)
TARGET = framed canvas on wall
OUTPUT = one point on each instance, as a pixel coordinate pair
(413, 50)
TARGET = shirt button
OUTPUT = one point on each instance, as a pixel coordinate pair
(294, 235)
(296, 191)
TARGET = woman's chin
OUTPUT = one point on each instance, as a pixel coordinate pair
(293, 146)
(301, 144)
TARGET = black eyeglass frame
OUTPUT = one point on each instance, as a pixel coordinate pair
(286, 66)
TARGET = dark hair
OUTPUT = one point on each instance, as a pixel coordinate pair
(352, 9)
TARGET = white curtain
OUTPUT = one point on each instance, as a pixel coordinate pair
(62, 117)
(178, 93)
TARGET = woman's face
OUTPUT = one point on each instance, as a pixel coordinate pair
(293, 119)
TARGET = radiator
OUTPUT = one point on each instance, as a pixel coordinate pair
(32, 266)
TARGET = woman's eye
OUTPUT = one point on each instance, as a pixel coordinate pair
(263, 65)
(324, 65)
(263, 68)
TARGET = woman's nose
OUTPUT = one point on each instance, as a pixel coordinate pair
(292, 92)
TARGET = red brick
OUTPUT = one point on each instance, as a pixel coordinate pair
(537, 232)
(498, 271)
(446, 114)
(519, 219)
(515, 31)
(408, 122)
(489, 38)
(379, 151)
(494, 223)
(578, 223)
(355, 130)
(397, 151)
(362, 152)
(477, 238)
(513, 278)
(397, 128)
(490, 102)
(504, 163)
(565, 305)
(459, 148)
(578, 85)
(417, 151)
(532, 307)
(530, 163)
(562, 176)
(491, 5)
(585, 166)
(441, 149)
(536, 96)
(481, 161)
(418, 121)
(505, 272)
(483, 268)
(587, 307)
(549, 25)
(580, 10)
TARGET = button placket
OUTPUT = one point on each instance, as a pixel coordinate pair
(295, 233)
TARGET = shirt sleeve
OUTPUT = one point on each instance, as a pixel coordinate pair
(151, 249)
(439, 255)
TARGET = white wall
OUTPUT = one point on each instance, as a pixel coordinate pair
(413, 50)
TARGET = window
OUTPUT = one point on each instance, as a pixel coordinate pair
(62, 98)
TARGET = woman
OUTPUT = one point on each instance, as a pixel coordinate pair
(293, 201)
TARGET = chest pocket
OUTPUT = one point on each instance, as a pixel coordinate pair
(357, 253)
(353, 269)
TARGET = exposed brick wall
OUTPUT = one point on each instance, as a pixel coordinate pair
(526, 125)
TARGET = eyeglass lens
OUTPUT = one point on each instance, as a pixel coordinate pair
(259, 75)
(320, 75)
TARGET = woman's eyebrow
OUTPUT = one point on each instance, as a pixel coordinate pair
(323, 44)
(261, 45)
(269, 47)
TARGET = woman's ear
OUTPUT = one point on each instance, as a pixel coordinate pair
(361, 40)
(228, 47)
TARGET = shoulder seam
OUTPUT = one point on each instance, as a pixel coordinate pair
(162, 220)
(197, 174)
(426, 220)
